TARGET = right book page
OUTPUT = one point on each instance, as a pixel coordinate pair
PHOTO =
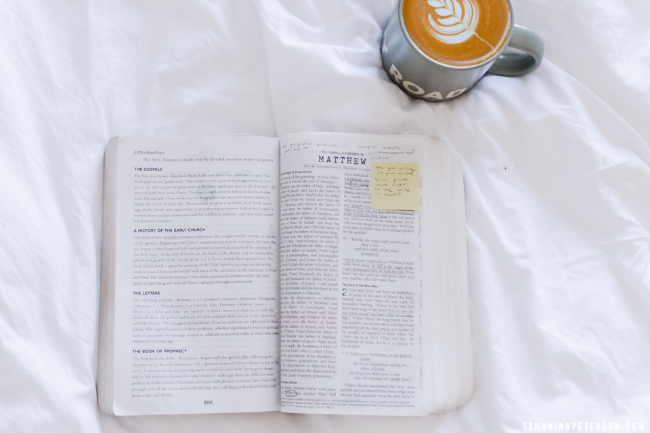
(373, 276)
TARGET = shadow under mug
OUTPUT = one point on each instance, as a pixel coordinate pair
(422, 77)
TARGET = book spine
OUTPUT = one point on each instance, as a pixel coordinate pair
(107, 282)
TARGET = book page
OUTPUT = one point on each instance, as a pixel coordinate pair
(197, 275)
(351, 278)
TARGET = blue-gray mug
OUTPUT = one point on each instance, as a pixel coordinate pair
(421, 76)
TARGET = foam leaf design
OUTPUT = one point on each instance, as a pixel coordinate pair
(454, 21)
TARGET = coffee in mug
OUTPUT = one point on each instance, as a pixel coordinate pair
(438, 49)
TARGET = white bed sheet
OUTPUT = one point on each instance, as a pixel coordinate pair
(557, 169)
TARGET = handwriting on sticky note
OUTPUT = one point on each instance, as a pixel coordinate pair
(395, 185)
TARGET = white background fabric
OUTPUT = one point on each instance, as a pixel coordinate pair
(557, 169)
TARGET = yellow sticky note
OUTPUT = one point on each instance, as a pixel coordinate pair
(395, 185)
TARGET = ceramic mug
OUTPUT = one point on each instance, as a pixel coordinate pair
(443, 47)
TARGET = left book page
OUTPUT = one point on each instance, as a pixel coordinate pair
(189, 307)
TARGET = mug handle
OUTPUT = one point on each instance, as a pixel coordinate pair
(511, 64)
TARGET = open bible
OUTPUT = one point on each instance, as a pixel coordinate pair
(316, 273)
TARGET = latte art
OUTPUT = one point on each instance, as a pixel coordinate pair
(458, 32)
(453, 21)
